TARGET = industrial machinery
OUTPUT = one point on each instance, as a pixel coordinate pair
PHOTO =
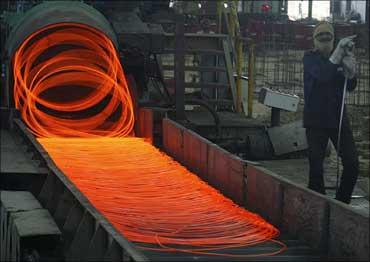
(77, 77)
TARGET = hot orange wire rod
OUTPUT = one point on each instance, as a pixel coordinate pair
(147, 196)
(152, 199)
(91, 61)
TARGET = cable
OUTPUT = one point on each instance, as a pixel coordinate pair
(195, 101)
(152, 199)
(79, 57)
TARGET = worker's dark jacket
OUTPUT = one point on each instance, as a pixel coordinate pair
(323, 90)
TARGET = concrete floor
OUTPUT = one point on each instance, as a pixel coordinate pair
(296, 170)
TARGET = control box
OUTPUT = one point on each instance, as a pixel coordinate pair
(279, 100)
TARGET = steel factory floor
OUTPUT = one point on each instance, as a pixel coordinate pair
(16, 160)
(296, 170)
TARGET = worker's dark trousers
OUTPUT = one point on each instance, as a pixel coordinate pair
(317, 139)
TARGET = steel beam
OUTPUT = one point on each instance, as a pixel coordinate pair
(180, 68)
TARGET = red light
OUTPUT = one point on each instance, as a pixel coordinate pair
(265, 8)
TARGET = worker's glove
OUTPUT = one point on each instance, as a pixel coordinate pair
(349, 66)
(343, 46)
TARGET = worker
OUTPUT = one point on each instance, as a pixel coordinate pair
(324, 78)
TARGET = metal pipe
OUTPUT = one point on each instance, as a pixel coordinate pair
(340, 130)
(180, 67)
(250, 79)
(239, 63)
(348, 5)
(219, 16)
(194, 101)
(235, 33)
(232, 21)
(310, 9)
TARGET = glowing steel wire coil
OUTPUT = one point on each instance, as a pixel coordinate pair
(150, 198)
(78, 65)
(145, 194)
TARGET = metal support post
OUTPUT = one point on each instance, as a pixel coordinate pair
(239, 63)
(250, 79)
(180, 67)
(310, 9)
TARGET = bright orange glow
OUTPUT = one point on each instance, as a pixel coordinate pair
(68, 81)
(72, 93)
(151, 198)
